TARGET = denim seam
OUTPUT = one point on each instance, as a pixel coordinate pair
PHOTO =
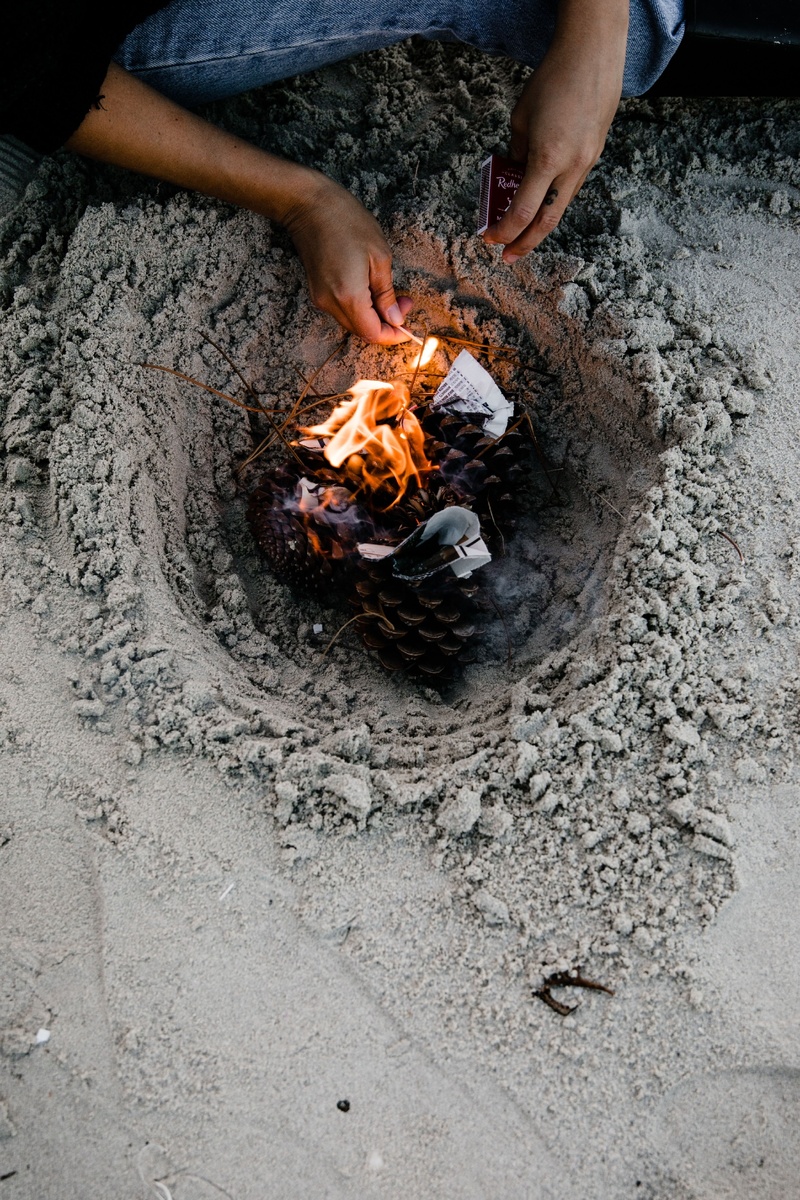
(272, 50)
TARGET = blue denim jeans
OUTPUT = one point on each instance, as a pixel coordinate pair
(197, 50)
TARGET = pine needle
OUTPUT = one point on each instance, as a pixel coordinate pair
(278, 430)
(542, 460)
(206, 387)
(486, 347)
(728, 538)
(341, 630)
(249, 387)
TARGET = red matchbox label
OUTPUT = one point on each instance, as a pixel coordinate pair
(500, 178)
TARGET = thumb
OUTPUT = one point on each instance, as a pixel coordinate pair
(382, 289)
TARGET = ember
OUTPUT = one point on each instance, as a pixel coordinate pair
(385, 501)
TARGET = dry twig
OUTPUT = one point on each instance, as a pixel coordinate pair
(567, 979)
(728, 538)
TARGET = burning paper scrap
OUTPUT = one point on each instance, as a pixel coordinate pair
(311, 494)
(374, 551)
(468, 388)
(307, 492)
(449, 539)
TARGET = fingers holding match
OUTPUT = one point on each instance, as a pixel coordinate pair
(359, 313)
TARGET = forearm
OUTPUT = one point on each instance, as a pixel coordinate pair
(590, 42)
(347, 260)
(598, 28)
(138, 128)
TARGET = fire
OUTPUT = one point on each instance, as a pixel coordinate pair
(426, 353)
(375, 438)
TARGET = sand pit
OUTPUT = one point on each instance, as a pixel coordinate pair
(244, 881)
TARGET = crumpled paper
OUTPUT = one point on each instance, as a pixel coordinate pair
(469, 389)
(449, 540)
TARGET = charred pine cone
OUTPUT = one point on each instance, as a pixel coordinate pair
(307, 548)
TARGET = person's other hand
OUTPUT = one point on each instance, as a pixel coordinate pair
(348, 263)
(558, 129)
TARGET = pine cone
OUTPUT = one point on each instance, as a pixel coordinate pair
(422, 629)
(482, 472)
(305, 549)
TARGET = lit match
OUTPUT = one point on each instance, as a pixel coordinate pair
(429, 348)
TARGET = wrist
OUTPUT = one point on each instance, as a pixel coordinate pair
(282, 189)
(315, 195)
(310, 188)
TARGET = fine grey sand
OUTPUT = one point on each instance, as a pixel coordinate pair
(241, 881)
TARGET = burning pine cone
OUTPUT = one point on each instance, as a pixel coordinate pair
(359, 505)
(308, 533)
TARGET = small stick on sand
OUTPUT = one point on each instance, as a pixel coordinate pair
(728, 538)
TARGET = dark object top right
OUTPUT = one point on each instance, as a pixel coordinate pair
(775, 21)
(736, 48)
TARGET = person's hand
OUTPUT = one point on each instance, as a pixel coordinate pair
(558, 129)
(347, 262)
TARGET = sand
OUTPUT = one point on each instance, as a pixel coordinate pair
(242, 881)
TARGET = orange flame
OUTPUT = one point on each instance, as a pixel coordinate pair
(375, 437)
(426, 353)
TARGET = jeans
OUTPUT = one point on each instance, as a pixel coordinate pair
(198, 50)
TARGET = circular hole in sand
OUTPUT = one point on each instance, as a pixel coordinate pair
(594, 460)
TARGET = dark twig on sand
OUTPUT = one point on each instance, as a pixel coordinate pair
(567, 979)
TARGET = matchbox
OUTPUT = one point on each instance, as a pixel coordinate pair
(500, 178)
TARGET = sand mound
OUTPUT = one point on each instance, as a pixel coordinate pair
(584, 756)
